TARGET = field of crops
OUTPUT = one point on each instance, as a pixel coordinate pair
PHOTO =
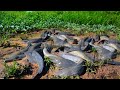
(93, 21)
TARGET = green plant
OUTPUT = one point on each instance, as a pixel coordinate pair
(92, 67)
(66, 77)
(81, 21)
(11, 70)
(15, 70)
(48, 61)
(93, 49)
(118, 36)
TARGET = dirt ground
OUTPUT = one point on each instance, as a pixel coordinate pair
(104, 72)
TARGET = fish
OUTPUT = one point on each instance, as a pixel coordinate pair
(58, 61)
(104, 54)
(35, 57)
(71, 57)
(46, 35)
(58, 41)
(108, 47)
(84, 44)
(97, 38)
(62, 37)
(78, 69)
(18, 55)
(104, 37)
(69, 39)
(115, 46)
(81, 55)
(113, 62)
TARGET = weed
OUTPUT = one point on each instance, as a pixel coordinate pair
(92, 67)
(48, 61)
(93, 49)
(118, 36)
(14, 70)
(11, 70)
(66, 77)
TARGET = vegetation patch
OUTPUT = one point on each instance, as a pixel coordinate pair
(66, 77)
(13, 22)
(15, 70)
(49, 63)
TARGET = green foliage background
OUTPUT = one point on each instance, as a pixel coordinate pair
(93, 21)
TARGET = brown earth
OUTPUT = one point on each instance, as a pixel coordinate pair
(104, 72)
